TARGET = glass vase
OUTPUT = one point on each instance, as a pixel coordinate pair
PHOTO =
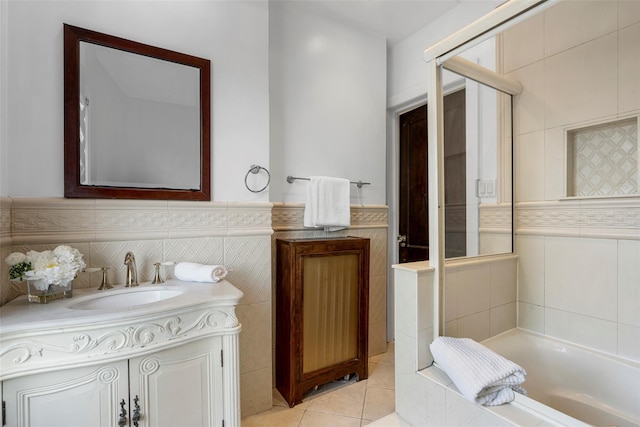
(41, 292)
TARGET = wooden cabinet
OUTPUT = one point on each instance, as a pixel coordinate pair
(181, 386)
(322, 306)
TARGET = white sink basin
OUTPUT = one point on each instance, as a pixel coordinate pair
(124, 299)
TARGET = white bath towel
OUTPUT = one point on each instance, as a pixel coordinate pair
(328, 203)
(481, 375)
(193, 272)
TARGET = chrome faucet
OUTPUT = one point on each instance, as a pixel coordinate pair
(132, 273)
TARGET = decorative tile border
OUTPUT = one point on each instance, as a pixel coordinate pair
(57, 220)
(495, 218)
(601, 218)
(290, 216)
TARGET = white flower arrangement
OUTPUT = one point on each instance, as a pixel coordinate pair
(55, 267)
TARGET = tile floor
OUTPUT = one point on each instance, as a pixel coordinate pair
(339, 404)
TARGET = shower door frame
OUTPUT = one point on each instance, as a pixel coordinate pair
(444, 55)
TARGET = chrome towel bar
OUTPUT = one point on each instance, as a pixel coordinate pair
(359, 184)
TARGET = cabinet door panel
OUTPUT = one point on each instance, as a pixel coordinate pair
(77, 397)
(180, 386)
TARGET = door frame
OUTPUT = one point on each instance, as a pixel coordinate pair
(393, 197)
(393, 183)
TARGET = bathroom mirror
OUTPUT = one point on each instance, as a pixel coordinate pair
(136, 120)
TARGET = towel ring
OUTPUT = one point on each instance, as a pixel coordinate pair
(254, 169)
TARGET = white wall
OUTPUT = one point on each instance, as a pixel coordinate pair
(232, 34)
(4, 142)
(408, 72)
(327, 99)
(327, 103)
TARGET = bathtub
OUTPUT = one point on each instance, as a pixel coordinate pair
(590, 386)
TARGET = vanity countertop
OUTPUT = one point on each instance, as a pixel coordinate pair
(100, 325)
(21, 315)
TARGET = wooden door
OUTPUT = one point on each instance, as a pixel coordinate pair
(414, 191)
(413, 230)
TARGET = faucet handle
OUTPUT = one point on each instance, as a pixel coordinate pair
(105, 280)
(157, 278)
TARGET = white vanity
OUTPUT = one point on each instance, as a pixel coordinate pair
(149, 356)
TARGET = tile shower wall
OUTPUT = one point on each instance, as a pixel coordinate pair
(236, 235)
(578, 272)
(480, 296)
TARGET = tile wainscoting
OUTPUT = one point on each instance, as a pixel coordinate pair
(237, 235)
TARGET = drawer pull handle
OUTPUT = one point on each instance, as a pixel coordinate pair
(122, 421)
(136, 411)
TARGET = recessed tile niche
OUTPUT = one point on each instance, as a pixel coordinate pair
(602, 160)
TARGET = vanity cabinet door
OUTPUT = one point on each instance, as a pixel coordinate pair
(78, 397)
(181, 386)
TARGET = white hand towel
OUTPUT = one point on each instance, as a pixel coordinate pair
(328, 203)
(193, 272)
(481, 375)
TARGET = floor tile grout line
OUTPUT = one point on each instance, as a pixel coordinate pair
(364, 403)
(381, 377)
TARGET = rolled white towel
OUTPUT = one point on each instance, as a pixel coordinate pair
(194, 272)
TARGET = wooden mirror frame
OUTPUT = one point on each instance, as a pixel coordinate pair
(72, 185)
